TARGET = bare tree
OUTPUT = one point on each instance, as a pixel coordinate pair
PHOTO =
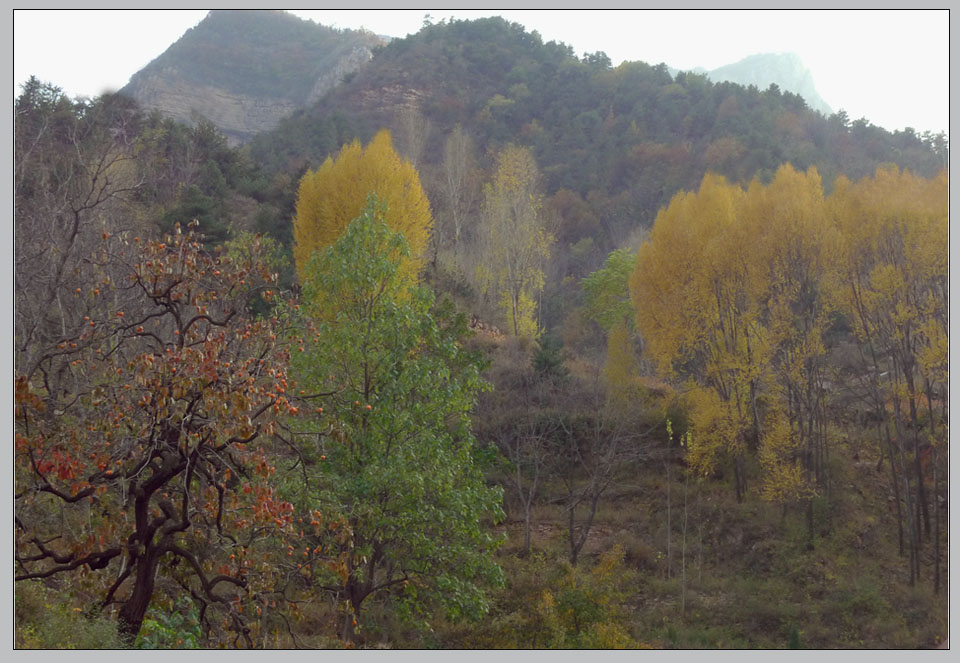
(596, 441)
(75, 176)
(460, 188)
(413, 130)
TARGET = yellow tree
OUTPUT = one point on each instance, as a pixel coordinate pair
(792, 247)
(514, 244)
(891, 281)
(330, 197)
(696, 304)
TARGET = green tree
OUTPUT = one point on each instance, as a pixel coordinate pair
(607, 293)
(395, 447)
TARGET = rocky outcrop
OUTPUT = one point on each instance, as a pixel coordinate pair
(346, 65)
(238, 116)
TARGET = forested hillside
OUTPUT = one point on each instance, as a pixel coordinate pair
(619, 141)
(491, 347)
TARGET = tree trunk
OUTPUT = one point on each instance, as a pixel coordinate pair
(936, 527)
(134, 609)
(669, 524)
(571, 521)
(936, 490)
(921, 490)
(699, 533)
(739, 478)
(683, 553)
(896, 484)
(526, 526)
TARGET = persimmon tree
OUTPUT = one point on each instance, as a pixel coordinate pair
(393, 440)
(146, 468)
(334, 194)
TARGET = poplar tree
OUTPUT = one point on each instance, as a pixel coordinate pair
(331, 196)
(514, 242)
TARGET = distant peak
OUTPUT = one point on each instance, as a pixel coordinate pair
(786, 70)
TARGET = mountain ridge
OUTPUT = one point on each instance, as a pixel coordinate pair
(244, 70)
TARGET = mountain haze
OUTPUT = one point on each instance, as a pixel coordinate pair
(785, 70)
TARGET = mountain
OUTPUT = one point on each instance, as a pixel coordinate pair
(785, 70)
(245, 69)
(615, 143)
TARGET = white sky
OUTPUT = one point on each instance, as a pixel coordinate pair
(891, 67)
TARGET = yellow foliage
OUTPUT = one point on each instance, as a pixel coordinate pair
(718, 427)
(736, 288)
(514, 244)
(330, 197)
(779, 455)
(697, 309)
(891, 274)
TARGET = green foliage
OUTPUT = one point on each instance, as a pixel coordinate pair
(795, 642)
(395, 448)
(549, 357)
(178, 628)
(607, 292)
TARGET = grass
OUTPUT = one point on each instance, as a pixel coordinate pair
(45, 621)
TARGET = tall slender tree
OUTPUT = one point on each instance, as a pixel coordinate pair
(514, 242)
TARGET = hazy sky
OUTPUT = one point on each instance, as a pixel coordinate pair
(889, 66)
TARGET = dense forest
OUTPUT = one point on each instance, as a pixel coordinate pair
(492, 347)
